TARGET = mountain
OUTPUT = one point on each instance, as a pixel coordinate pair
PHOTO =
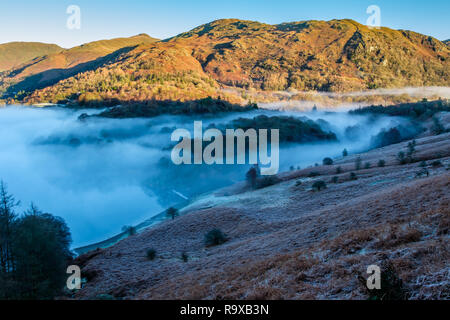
(14, 54)
(447, 42)
(338, 55)
(49, 69)
(217, 58)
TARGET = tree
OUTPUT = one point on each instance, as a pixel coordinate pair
(319, 185)
(411, 150)
(345, 153)
(184, 257)
(358, 163)
(130, 230)
(7, 219)
(437, 127)
(328, 162)
(172, 213)
(34, 252)
(42, 251)
(252, 176)
(401, 157)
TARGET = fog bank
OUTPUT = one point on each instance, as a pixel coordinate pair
(102, 174)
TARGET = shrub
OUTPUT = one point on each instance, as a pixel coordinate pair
(391, 285)
(328, 162)
(184, 257)
(436, 164)
(314, 174)
(215, 237)
(368, 165)
(335, 180)
(423, 164)
(423, 172)
(319, 185)
(298, 183)
(381, 163)
(358, 163)
(338, 170)
(151, 254)
(353, 176)
(267, 182)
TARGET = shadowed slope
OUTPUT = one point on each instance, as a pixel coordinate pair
(48, 70)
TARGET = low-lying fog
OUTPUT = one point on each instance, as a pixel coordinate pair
(102, 174)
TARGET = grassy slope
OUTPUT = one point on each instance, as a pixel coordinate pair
(14, 54)
(289, 242)
(338, 55)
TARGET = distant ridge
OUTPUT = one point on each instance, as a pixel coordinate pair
(14, 54)
(220, 57)
(51, 68)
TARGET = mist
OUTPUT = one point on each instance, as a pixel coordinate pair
(101, 174)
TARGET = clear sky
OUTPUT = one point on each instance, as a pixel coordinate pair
(45, 20)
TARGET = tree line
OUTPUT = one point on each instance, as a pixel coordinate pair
(34, 251)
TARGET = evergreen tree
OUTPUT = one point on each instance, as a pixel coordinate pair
(7, 219)
(41, 245)
(172, 213)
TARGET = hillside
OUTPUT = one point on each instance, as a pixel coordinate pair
(332, 56)
(49, 69)
(287, 241)
(14, 54)
(447, 42)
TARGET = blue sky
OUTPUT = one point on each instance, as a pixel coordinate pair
(45, 20)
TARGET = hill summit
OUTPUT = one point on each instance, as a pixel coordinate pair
(14, 54)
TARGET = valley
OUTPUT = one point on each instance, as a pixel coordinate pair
(127, 159)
